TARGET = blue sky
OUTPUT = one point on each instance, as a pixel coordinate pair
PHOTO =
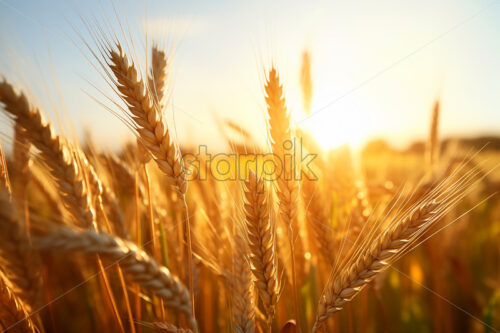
(377, 66)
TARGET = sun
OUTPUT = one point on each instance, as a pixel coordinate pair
(339, 126)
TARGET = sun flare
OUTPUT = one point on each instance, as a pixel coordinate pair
(337, 127)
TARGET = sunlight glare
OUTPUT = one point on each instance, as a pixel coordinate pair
(334, 127)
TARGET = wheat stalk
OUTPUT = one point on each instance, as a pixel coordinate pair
(138, 265)
(262, 243)
(97, 190)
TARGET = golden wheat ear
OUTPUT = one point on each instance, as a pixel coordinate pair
(306, 82)
(136, 263)
(158, 74)
(21, 152)
(54, 151)
(242, 291)
(162, 327)
(388, 241)
(287, 189)
(15, 317)
(432, 153)
(147, 118)
(262, 243)
(318, 218)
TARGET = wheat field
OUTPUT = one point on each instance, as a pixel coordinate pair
(154, 237)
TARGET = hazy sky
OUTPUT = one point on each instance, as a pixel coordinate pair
(377, 66)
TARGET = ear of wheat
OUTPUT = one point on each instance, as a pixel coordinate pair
(433, 142)
(138, 265)
(287, 184)
(306, 82)
(13, 314)
(242, 295)
(377, 252)
(157, 83)
(159, 74)
(262, 243)
(281, 144)
(318, 218)
(54, 152)
(169, 328)
(148, 119)
(21, 152)
(150, 126)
